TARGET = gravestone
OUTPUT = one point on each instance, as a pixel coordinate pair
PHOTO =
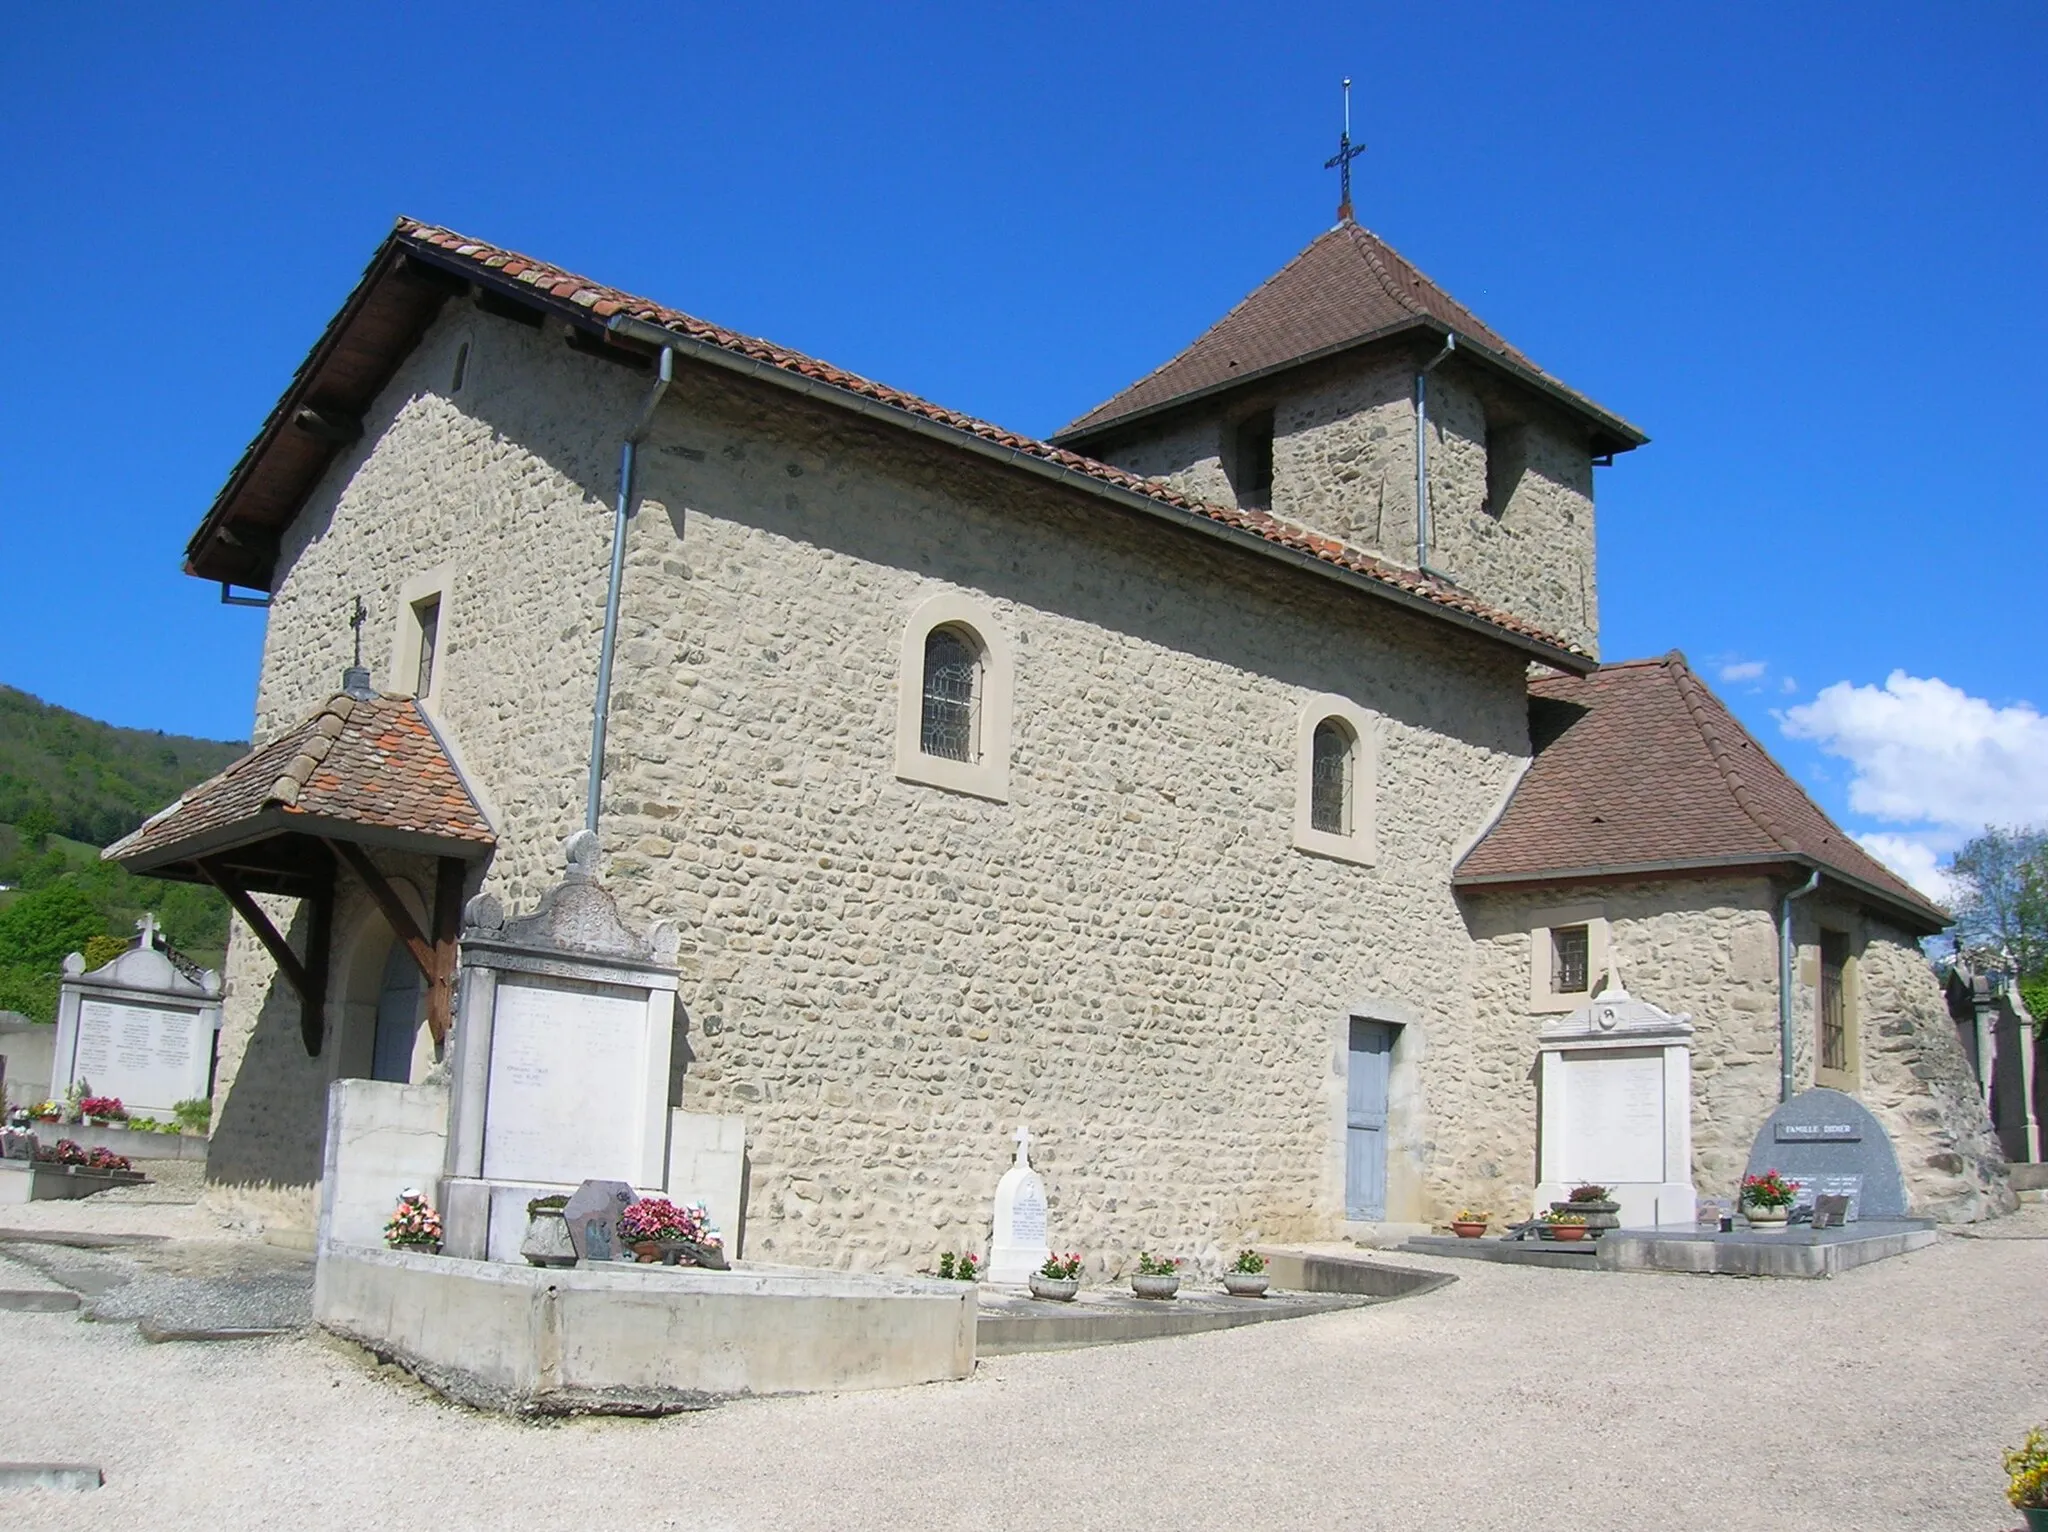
(560, 1069)
(1019, 1247)
(592, 1215)
(1615, 1108)
(1829, 1145)
(138, 1028)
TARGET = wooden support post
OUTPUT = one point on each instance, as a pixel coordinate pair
(435, 959)
(308, 978)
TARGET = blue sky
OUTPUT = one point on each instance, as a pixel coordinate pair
(1804, 253)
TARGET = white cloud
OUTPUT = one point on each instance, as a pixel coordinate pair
(1743, 670)
(1932, 759)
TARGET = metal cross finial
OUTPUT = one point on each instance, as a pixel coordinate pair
(1341, 161)
(356, 620)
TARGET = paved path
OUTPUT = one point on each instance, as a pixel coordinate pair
(1516, 1398)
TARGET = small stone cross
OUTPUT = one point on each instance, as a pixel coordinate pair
(148, 927)
(1023, 1137)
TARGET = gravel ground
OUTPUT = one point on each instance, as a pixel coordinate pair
(1516, 1398)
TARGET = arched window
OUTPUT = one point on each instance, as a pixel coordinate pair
(948, 721)
(953, 689)
(1330, 779)
(1336, 779)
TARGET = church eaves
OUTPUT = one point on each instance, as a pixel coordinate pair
(1349, 288)
(419, 266)
(1651, 775)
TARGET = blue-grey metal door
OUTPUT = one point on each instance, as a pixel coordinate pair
(398, 1018)
(1365, 1120)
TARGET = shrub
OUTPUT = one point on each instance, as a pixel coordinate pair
(1588, 1193)
(964, 1267)
(193, 1116)
(1150, 1265)
(1248, 1263)
(2028, 1466)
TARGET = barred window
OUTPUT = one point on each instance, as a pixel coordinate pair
(1330, 779)
(952, 667)
(1570, 947)
(1834, 1002)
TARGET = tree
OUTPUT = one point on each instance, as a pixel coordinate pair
(2001, 906)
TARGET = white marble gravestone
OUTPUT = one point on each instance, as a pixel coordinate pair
(137, 1028)
(1019, 1247)
(560, 1072)
(1615, 1107)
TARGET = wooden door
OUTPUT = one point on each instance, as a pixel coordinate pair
(1365, 1120)
(398, 1018)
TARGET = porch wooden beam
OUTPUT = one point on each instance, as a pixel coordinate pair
(396, 915)
(449, 875)
(307, 979)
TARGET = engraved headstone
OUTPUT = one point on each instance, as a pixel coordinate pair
(1019, 1247)
(593, 1218)
(1827, 1143)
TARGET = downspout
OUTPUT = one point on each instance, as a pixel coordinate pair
(1422, 528)
(1785, 984)
(627, 451)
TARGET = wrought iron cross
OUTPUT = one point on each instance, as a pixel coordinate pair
(1341, 161)
(356, 620)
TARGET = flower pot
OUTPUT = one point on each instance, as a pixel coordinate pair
(1058, 1289)
(1468, 1229)
(1766, 1220)
(419, 1247)
(1155, 1287)
(2036, 1517)
(1567, 1233)
(1246, 1284)
(547, 1239)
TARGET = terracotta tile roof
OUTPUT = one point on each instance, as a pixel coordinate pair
(1347, 285)
(1655, 773)
(369, 762)
(595, 306)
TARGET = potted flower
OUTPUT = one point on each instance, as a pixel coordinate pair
(1565, 1228)
(1470, 1224)
(964, 1267)
(676, 1234)
(1767, 1201)
(2027, 1488)
(547, 1241)
(1059, 1278)
(1246, 1276)
(1156, 1276)
(99, 1109)
(415, 1225)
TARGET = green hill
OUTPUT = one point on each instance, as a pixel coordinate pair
(69, 785)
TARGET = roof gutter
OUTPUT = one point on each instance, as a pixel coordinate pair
(648, 333)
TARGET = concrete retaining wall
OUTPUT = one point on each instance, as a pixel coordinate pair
(640, 1340)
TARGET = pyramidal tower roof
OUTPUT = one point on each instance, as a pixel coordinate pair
(1348, 288)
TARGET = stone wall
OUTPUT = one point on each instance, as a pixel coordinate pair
(886, 977)
(1344, 464)
(1708, 948)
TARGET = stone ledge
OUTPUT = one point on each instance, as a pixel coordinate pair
(1013, 1322)
(1582, 1255)
(1793, 1253)
(639, 1340)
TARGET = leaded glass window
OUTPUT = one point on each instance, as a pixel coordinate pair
(1329, 807)
(1569, 952)
(952, 666)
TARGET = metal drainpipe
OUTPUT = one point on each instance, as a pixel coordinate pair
(1422, 528)
(624, 509)
(1785, 984)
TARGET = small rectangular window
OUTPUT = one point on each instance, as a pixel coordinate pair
(427, 614)
(1569, 950)
(1252, 477)
(1834, 1001)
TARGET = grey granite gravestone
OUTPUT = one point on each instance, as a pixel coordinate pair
(592, 1215)
(1831, 1146)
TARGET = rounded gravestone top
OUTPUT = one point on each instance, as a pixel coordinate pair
(582, 850)
(1831, 1144)
(484, 913)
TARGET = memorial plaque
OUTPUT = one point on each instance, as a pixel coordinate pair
(1614, 1115)
(148, 1056)
(592, 1215)
(567, 1076)
(1027, 1214)
(1829, 1145)
(1830, 1212)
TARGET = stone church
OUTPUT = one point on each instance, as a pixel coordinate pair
(1229, 787)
